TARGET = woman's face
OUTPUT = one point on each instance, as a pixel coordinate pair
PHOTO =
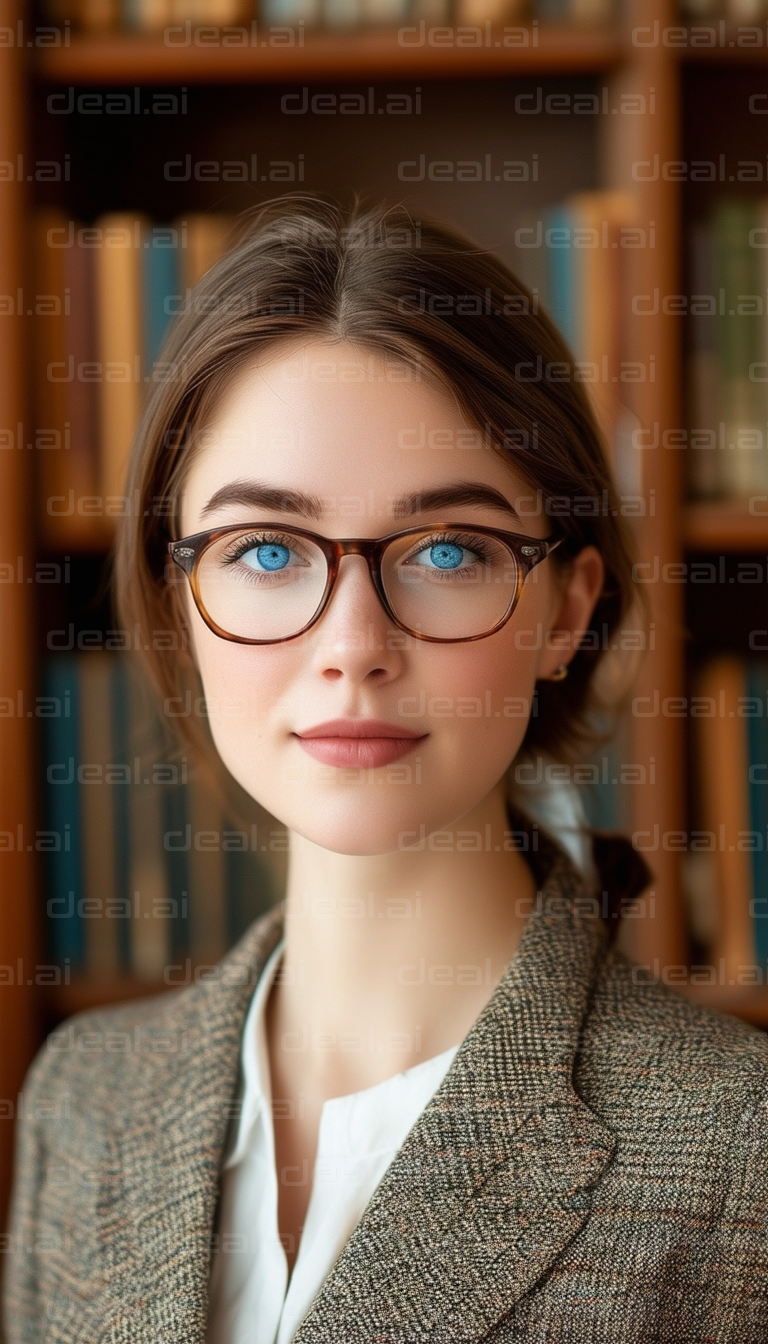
(355, 432)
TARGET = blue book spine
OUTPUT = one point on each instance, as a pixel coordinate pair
(160, 284)
(551, 9)
(122, 754)
(175, 804)
(561, 272)
(61, 759)
(757, 736)
(605, 802)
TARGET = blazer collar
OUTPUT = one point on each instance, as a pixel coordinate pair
(492, 1183)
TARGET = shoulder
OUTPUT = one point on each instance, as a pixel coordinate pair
(100, 1054)
(663, 1054)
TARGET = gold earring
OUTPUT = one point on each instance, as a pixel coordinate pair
(560, 673)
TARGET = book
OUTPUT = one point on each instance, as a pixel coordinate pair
(605, 797)
(760, 242)
(64, 353)
(206, 241)
(705, 472)
(121, 755)
(179, 865)
(210, 11)
(101, 909)
(146, 15)
(722, 771)
(60, 757)
(160, 285)
(738, 347)
(119, 341)
(103, 312)
(384, 12)
(80, 408)
(151, 906)
(561, 281)
(757, 734)
(727, 355)
(595, 321)
(250, 889)
(291, 11)
(98, 16)
(146, 866)
(209, 931)
(51, 368)
(583, 289)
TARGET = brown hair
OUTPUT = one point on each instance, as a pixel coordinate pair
(427, 296)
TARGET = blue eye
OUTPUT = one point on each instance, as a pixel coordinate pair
(270, 556)
(446, 555)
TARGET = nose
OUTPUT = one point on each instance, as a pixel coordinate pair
(353, 636)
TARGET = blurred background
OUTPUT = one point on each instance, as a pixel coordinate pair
(614, 153)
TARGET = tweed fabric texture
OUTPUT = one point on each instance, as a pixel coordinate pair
(592, 1170)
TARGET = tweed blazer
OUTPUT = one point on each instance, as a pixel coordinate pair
(593, 1168)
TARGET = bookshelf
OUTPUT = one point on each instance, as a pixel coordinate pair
(116, 59)
(233, 91)
(727, 527)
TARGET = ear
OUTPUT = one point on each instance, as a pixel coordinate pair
(574, 600)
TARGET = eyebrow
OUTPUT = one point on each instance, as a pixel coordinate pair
(254, 494)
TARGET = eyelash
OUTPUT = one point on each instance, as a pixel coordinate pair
(242, 545)
(468, 541)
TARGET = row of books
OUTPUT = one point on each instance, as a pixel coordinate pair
(158, 15)
(573, 257)
(733, 11)
(727, 311)
(104, 295)
(145, 866)
(726, 849)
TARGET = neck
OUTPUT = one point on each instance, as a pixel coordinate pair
(390, 958)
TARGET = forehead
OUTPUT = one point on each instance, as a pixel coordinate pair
(339, 420)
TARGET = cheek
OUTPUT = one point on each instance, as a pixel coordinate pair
(241, 683)
(478, 699)
(477, 680)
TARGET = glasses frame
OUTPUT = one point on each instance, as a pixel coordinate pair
(188, 551)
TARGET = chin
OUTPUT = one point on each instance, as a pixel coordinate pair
(355, 846)
(354, 829)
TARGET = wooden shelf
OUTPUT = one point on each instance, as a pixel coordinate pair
(724, 527)
(118, 58)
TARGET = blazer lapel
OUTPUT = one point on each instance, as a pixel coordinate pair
(160, 1174)
(495, 1178)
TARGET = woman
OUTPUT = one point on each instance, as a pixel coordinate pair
(426, 1098)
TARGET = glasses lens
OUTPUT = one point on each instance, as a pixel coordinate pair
(450, 585)
(263, 584)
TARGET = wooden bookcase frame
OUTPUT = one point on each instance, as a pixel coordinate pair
(625, 65)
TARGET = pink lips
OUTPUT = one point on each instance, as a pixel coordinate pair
(358, 742)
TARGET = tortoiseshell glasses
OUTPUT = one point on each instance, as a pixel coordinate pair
(263, 583)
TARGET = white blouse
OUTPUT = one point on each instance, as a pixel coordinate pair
(359, 1136)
